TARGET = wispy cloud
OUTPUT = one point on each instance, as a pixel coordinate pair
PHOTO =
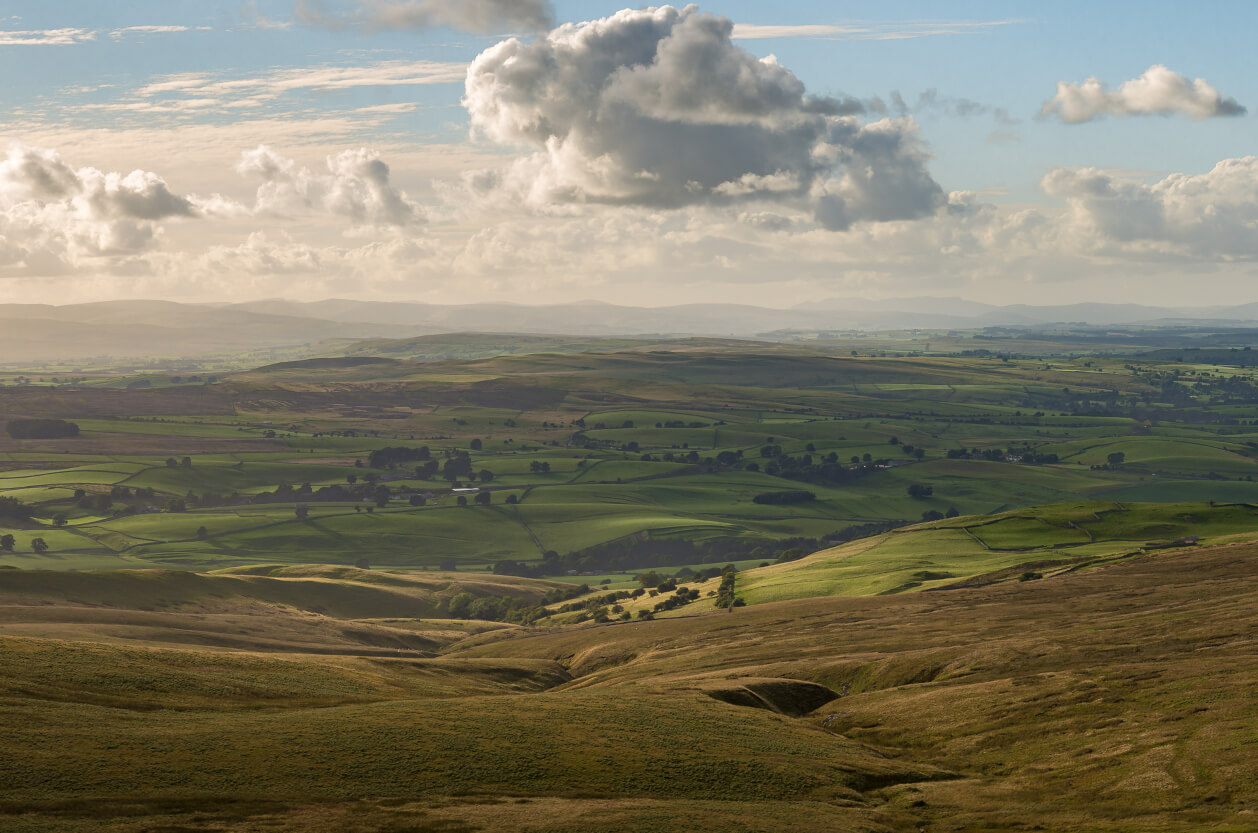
(904, 30)
(119, 34)
(483, 16)
(322, 78)
(45, 37)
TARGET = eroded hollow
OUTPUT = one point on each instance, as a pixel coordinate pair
(794, 698)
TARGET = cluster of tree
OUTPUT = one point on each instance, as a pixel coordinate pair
(13, 510)
(41, 429)
(385, 458)
(936, 515)
(809, 469)
(725, 593)
(681, 596)
(8, 544)
(509, 608)
(1027, 454)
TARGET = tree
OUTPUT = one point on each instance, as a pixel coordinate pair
(1116, 459)
(418, 500)
(302, 511)
(462, 501)
(918, 491)
(7, 542)
(475, 445)
(486, 476)
(460, 605)
(39, 545)
(362, 564)
(512, 500)
(186, 462)
(932, 515)
(482, 498)
(60, 519)
(382, 495)
(203, 533)
(351, 479)
(172, 463)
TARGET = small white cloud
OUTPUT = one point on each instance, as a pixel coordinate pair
(1159, 91)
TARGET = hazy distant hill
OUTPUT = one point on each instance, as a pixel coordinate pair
(130, 329)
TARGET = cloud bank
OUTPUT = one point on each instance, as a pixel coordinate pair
(1159, 91)
(1210, 216)
(52, 214)
(356, 186)
(659, 108)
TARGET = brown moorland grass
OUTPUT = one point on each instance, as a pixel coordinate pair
(1118, 698)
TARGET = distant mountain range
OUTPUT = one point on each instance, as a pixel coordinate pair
(164, 329)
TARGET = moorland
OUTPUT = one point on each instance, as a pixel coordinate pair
(912, 580)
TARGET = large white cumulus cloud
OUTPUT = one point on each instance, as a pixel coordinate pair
(1158, 91)
(659, 108)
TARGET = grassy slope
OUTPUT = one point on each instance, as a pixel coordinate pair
(1074, 703)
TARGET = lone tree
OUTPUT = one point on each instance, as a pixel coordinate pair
(1116, 459)
(7, 542)
(203, 533)
(918, 491)
(39, 545)
(302, 511)
(482, 498)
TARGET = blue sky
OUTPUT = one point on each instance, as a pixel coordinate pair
(182, 91)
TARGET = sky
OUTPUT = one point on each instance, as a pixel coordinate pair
(543, 152)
